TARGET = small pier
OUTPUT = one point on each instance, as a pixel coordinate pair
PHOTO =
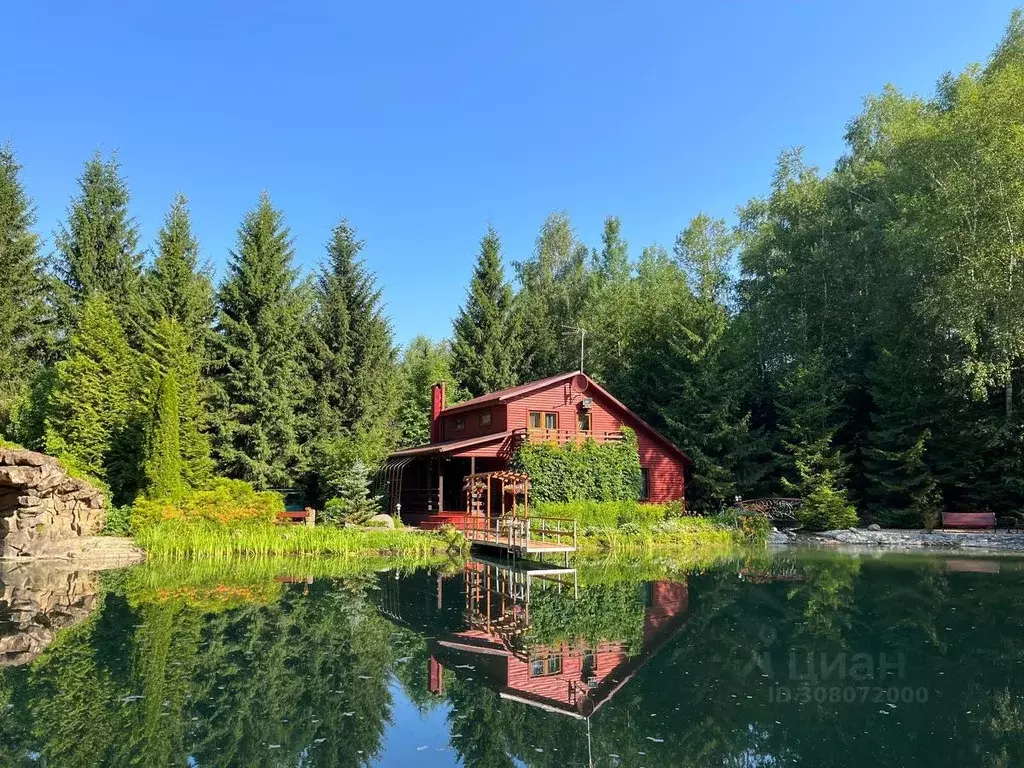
(522, 536)
(498, 516)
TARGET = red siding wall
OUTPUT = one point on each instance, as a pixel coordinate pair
(665, 470)
(472, 427)
(555, 688)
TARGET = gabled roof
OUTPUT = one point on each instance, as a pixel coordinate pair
(504, 395)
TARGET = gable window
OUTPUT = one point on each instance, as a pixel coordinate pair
(551, 665)
(584, 424)
(550, 421)
(645, 483)
(485, 419)
(460, 423)
(535, 419)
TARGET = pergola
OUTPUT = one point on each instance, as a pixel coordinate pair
(479, 486)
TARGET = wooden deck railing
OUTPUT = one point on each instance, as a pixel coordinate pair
(563, 436)
(516, 533)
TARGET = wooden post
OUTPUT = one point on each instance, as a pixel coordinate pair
(487, 502)
(440, 485)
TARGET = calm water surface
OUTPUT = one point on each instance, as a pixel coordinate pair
(769, 660)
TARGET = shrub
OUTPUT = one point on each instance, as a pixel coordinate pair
(227, 502)
(118, 522)
(825, 509)
(591, 470)
(353, 503)
(753, 529)
(604, 514)
(629, 529)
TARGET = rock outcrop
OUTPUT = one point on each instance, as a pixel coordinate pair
(41, 504)
(36, 601)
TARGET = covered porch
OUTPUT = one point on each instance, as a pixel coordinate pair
(426, 485)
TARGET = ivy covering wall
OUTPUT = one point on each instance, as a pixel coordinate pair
(588, 471)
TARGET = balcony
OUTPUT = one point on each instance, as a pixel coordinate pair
(564, 436)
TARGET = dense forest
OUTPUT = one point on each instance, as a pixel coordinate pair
(856, 337)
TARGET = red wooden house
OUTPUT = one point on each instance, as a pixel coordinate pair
(481, 434)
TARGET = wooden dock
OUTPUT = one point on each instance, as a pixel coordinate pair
(522, 536)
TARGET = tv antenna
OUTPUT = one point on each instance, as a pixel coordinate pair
(571, 332)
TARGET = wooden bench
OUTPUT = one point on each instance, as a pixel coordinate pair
(300, 516)
(969, 520)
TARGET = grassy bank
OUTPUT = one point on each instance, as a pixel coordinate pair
(204, 540)
(684, 536)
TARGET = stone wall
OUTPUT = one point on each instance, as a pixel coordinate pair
(36, 601)
(41, 504)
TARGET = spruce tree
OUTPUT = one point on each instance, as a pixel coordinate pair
(485, 348)
(606, 315)
(817, 469)
(902, 488)
(164, 477)
(261, 384)
(352, 355)
(25, 318)
(93, 409)
(351, 501)
(701, 403)
(176, 285)
(97, 248)
(179, 299)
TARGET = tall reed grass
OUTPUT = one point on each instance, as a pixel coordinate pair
(205, 540)
(696, 536)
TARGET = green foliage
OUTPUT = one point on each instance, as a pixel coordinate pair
(171, 353)
(164, 479)
(602, 612)
(93, 419)
(351, 412)
(260, 380)
(227, 503)
(203, 539)
(424, 363)
(118, 521)
(753, 529)
(25, 317)
(555, 287)
(97, 247)
(589, 471)
(177, 286)
(353, 503)
(28, 416)
(903, 490)
(604, 514)
(817, 465)
(484, 351)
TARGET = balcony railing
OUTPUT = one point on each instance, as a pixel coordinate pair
(563, 436)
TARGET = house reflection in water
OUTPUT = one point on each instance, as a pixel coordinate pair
(568, 678)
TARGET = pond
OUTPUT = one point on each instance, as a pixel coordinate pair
(793, 658)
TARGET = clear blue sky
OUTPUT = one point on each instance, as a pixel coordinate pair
(422, 122)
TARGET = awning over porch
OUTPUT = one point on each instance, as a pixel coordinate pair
(454, 447)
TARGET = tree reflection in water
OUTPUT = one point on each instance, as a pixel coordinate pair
(176, 665)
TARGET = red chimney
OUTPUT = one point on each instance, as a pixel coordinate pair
(436, 406)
